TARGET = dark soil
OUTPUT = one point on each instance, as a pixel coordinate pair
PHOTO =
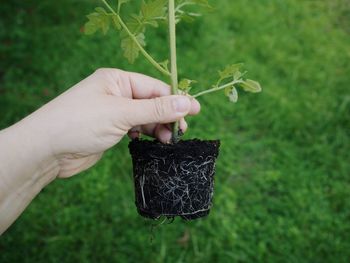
(174, 179)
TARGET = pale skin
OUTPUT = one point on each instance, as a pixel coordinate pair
(70, 133)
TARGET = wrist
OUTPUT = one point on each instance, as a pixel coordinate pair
(26, 167)
(25, 157)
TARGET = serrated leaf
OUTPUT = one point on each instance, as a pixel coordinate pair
(105, 26)
(230, 71)
(203, 3)
(186, 15)
(101, 10)
(237, 75)
(185, 85)
(90, 28)
(99, 20)
(131, 50)
(135, 24)
(152, 10)
(251, 86)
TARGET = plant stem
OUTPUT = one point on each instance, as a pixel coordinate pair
(132, 36)
(230, 84)
(173, 63)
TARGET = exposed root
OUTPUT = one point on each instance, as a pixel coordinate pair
(167, 187)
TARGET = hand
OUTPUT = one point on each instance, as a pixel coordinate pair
(95, 114)
(70, 133)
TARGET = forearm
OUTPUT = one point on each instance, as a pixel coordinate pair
(26, 167)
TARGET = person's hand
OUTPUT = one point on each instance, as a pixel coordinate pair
(70, 133)
(95, 114)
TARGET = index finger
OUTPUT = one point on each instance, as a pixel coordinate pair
(139, 86)
(145, 87)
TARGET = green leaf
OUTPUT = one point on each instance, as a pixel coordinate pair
(131, 50)
(184, 17)
(237, 75)
(251, 86)
(185, 14)
(203, 3)
(150, 12)
(185, 85)
(90, 28)
(99, 20)
(230, 71)
(135, 24)
(153, 10)
(101, 11)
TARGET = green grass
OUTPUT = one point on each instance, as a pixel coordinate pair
(282, 182)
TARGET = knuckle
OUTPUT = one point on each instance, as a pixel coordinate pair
(101, 70)
(159, 109)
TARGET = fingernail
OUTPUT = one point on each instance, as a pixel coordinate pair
(182, 104)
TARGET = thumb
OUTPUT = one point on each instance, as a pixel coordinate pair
(165, 109)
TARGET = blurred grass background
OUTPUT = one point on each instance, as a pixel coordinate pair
(283, 176)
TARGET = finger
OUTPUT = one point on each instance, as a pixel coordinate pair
(148, 129)
(154, 130)
(195, 107)
(145, 87)
(183, 125)
(158, 130)
(134, 133)
(166, 109)
(139, 86)
(162, 133)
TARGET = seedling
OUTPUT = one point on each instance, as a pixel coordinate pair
(174, 179)
(133, 28)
